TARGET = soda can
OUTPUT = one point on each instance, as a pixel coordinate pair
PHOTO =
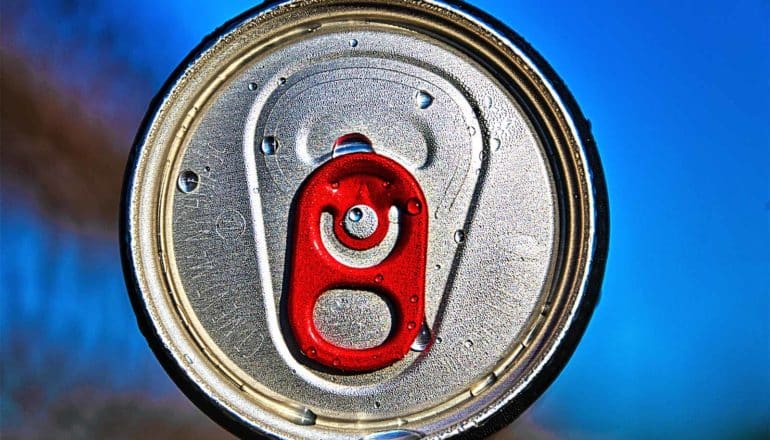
(364, 219)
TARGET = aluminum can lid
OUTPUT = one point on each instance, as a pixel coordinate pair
(378, 219)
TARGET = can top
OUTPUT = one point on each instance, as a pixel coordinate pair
(272, 258)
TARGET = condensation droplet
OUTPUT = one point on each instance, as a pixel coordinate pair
(468, 343)
(472, 130)
(488, 101)
(351, 143)
(188, 181)
(413, 206)
(188, 359)
(423, 99)
(378, 279)
(495, 144)
(269, 145)
(253, 86)
(377, 405)
(422, 341)
(355, 214)
(282, 81)
(353, 42)
(459, 236)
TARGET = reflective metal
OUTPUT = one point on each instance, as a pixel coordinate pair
(517, 205)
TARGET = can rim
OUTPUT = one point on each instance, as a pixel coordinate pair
(570, 335)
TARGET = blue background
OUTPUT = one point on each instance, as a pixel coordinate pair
(679, 97)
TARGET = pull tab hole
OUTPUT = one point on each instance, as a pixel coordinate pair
(353, 319)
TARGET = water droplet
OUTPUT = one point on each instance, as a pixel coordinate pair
(439, 339)
(378, 279)
(281, 81)
(438, 267)
(355, 215)
(253, 86)
(336, 362)
(353, 42)
(188, 181)
(304, 416)
(188, 359)
(414, 299)
(411, 325)
(413, 206)
(335, 185)
(351, 143)
(396, 434)
(468, 343)
(377, 405)
(459, 236)
(483, 384)
(422, 341)
(269, 145)
(311, 352)
(472, 130)
(488, 101)
(207, 168)
(495, 144)
(423, 99)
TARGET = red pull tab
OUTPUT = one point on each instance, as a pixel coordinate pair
(336, 187)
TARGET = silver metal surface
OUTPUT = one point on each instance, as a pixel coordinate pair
(256, 113)
(360, 221)
(353, 318)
